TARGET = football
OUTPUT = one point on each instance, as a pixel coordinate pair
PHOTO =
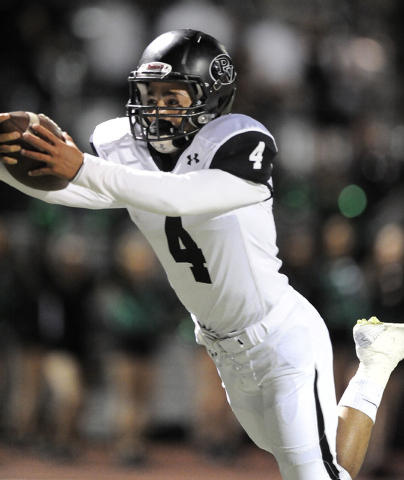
(23, 122)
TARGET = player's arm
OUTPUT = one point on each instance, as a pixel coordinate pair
(203, 191)
(206, 191)
(239, 176)
(71, 196)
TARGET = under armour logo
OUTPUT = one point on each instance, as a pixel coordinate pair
(194, 158)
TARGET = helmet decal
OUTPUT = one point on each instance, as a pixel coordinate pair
(155, 68)
(222, 69)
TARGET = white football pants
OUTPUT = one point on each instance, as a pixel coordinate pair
(280, 385)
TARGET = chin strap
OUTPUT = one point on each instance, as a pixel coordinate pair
(164, 146)
(158, 130)
(157, 134)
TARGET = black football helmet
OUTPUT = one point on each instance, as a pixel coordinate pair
(203, 65)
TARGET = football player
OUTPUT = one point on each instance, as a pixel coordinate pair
(196, 180)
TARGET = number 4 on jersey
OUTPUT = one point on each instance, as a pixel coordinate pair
(184, 250)
(257, 155)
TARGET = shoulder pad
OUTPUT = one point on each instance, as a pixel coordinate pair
(221, 129)
(111, 131)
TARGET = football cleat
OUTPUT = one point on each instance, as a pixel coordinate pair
(379, 347)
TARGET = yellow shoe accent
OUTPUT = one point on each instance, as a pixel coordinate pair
(372, 320)
(379, 347)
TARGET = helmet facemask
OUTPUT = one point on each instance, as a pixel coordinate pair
(154, 121)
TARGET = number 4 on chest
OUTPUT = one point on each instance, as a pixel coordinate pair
(184, 249)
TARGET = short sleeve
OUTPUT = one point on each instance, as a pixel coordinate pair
(248, 155)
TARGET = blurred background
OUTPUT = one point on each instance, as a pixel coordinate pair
(94, 347)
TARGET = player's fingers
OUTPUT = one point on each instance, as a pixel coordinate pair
(68, 139)
(9, 148)
(44, 133)
(4, 116)
(8, 160)
(9, 137)
(37, 142)
(41, 157)
(39, 172)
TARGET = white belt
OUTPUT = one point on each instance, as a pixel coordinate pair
(252, 335)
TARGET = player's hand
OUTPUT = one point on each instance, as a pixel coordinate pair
(8, 137)
(63, 159)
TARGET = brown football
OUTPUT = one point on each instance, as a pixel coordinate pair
(22, 122)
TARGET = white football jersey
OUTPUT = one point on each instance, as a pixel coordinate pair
(224, 268)
(211, 226)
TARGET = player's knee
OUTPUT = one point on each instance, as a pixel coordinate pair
(304, 462)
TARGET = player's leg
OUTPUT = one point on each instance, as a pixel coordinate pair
(379, 346)
(282, 392)
(282, 419)
(353, 435)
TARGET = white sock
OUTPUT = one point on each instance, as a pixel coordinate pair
(364, 395)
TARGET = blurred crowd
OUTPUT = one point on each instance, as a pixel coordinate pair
(83, 304)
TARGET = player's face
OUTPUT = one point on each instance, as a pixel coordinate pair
(168, 95)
